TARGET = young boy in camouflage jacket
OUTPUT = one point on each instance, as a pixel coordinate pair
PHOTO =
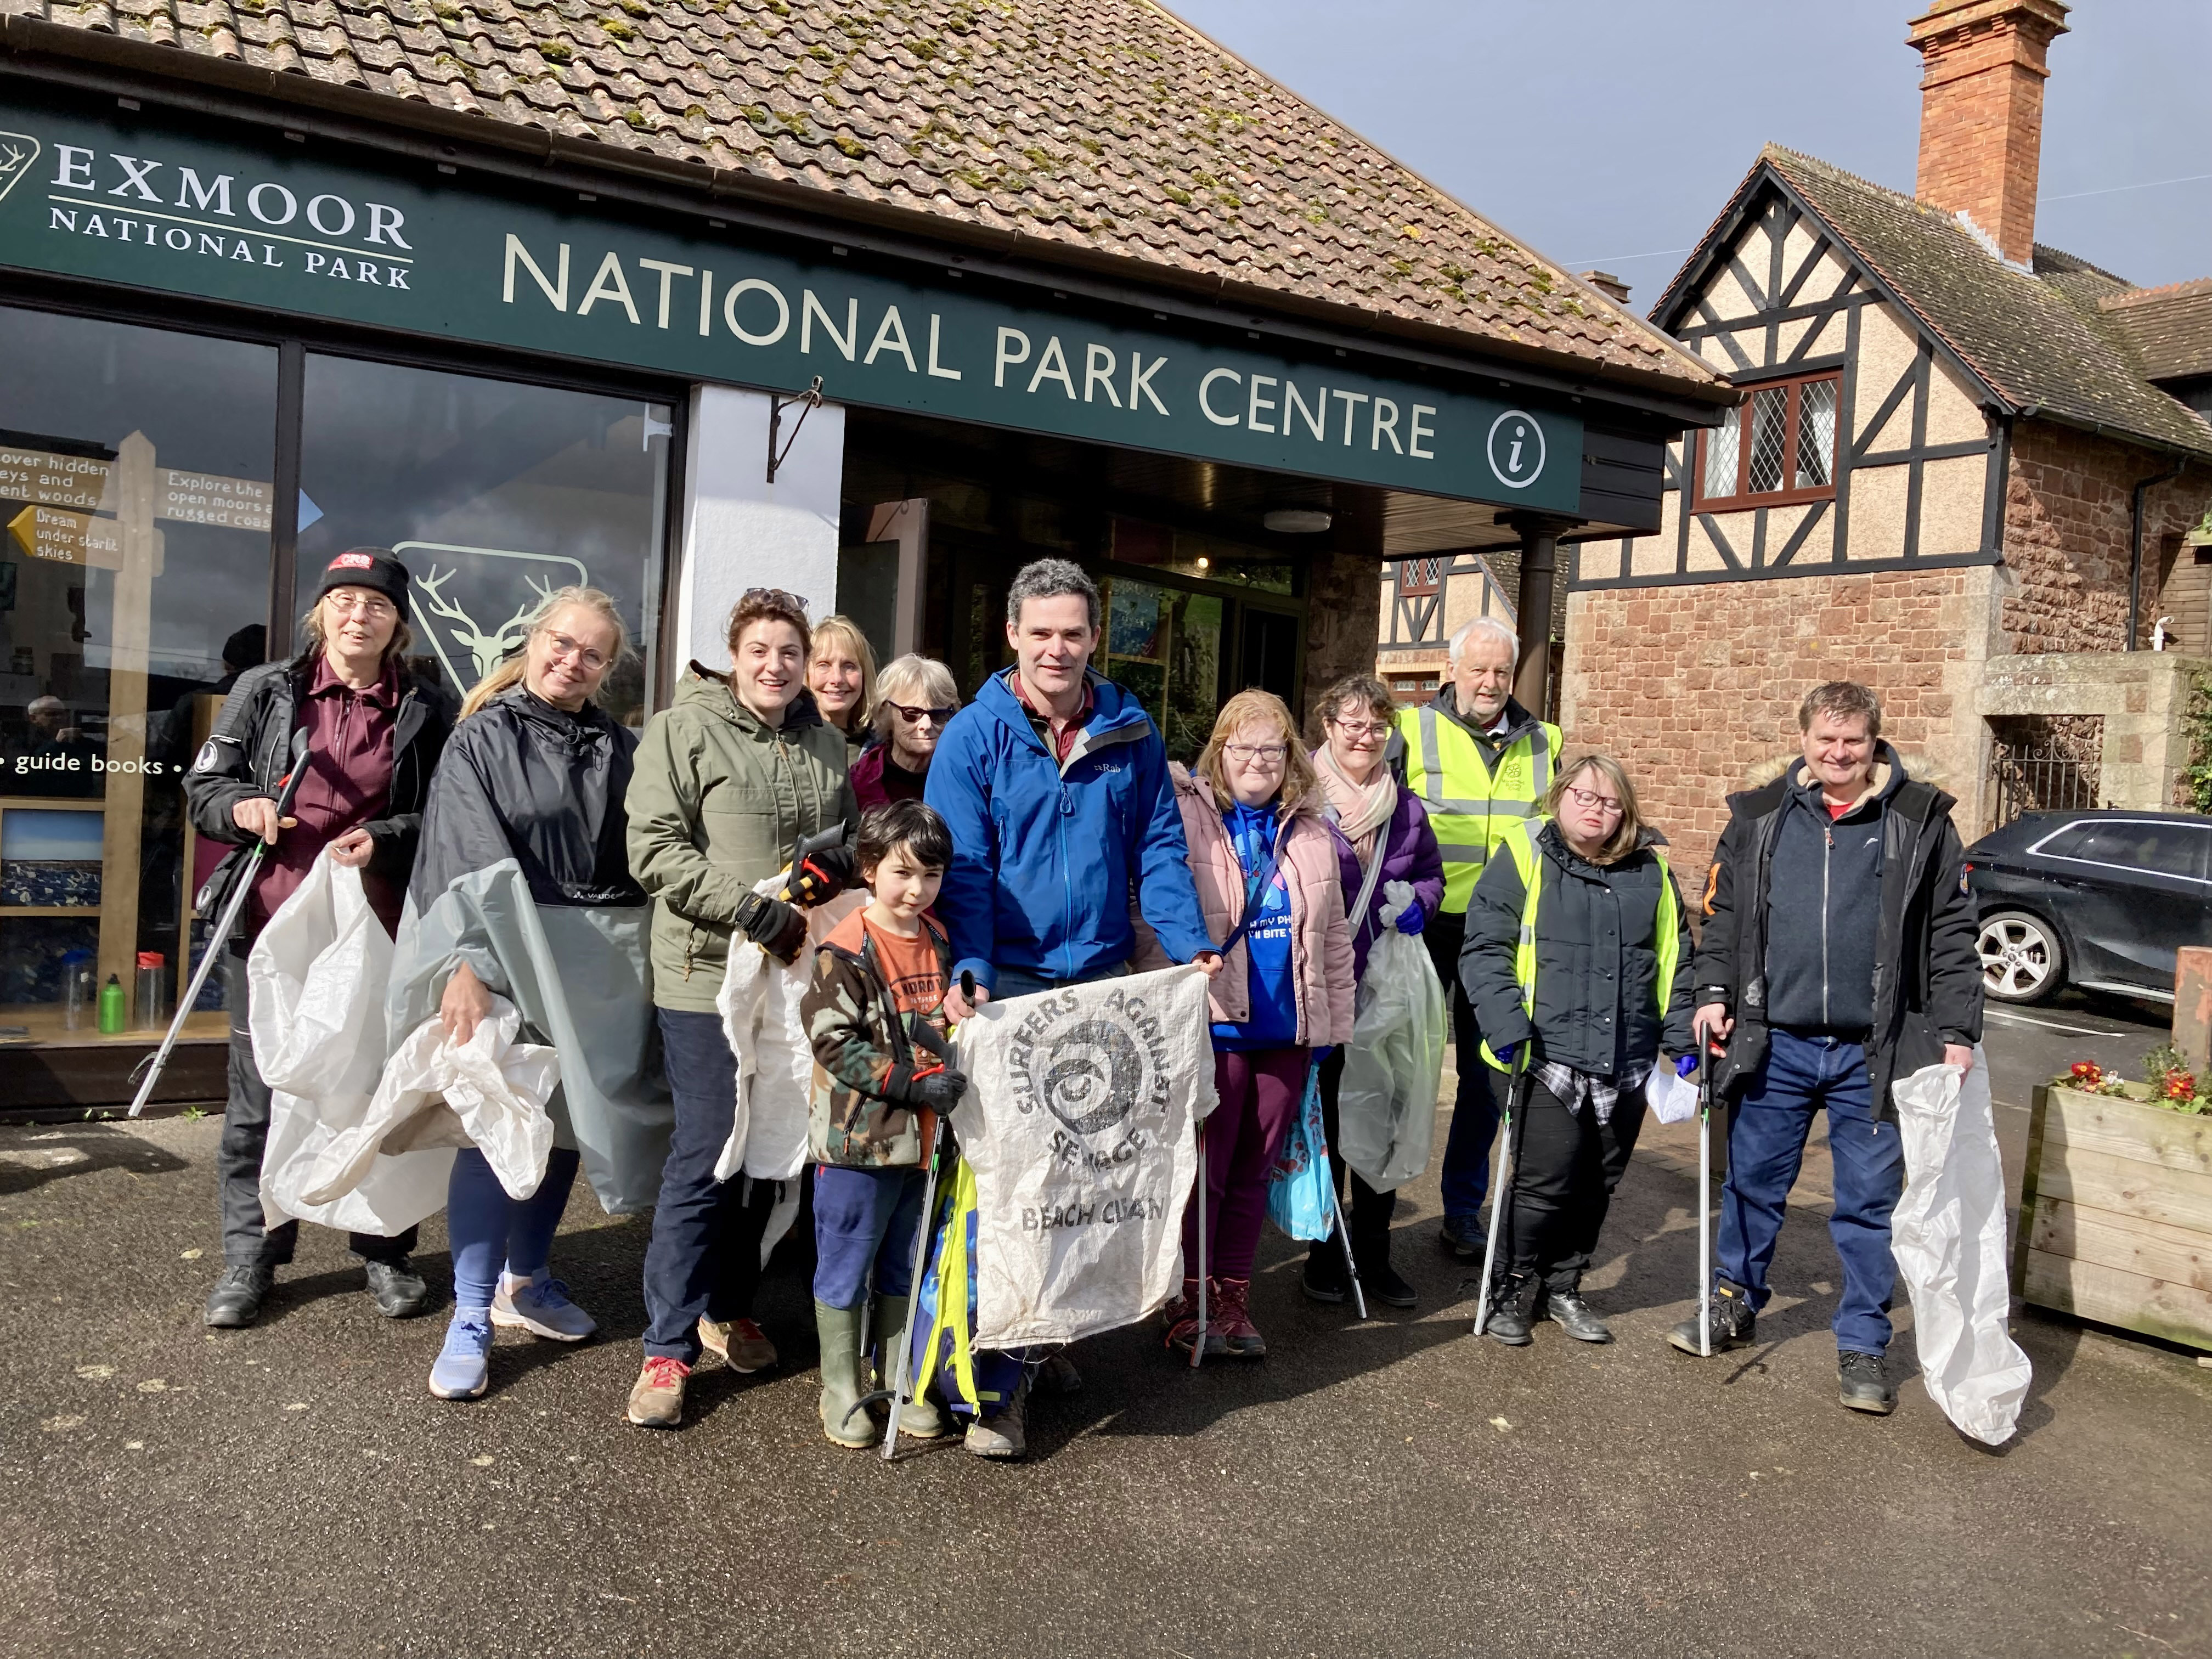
(875, 1101)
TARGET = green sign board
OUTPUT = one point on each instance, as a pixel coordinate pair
(157, 203)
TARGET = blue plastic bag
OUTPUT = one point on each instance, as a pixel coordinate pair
(1301, 1198)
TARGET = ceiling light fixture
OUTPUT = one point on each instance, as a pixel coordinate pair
(1297, 521)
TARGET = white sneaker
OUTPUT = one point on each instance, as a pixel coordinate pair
(540, 1306)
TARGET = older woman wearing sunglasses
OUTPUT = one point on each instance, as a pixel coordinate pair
(915, 698)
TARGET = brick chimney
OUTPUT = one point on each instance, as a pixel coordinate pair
(1981, 112)
(1608, 284)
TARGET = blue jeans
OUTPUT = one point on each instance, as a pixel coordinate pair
(1766, 1143)
(1466, 1174)
(704, 1259)
(488, 1229)
(863, 1219)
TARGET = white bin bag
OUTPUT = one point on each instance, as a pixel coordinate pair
(1948, 1236)
(1386, 1107)
(316, 1010)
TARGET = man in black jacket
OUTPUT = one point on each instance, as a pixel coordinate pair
(375, 734)
(1837, 956)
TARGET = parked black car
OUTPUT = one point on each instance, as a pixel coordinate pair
(2097, 900)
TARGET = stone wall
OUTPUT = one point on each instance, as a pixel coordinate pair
(2140, 695)
(2066, 537)
(1343, 593)
(1697, 688)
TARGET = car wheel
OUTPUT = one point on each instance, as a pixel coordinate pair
(2021, 959)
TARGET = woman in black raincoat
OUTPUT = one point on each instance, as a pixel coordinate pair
(536, 772)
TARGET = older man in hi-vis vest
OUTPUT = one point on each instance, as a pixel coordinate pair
(1480, 762)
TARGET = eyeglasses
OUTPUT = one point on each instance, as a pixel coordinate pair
(563, 645)
(778, 597)
(365, 604)
(914, 716)
(1361, 729)
(1590, 799)
(1256, 754)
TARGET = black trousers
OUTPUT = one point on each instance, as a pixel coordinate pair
(1366, 1213)
(245, 1137)
(1564, 1175)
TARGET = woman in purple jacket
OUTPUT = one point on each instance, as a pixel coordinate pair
(1376, 820)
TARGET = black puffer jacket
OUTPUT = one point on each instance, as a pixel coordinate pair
(525, 780)
(1597, 958)
(250, 751)
(1926, 989)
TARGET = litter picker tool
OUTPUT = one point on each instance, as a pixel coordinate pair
(218, 938)
(802, 867)
(1344, 1237)
(1501, 1193)
(1706, 1049)
(933, 1136)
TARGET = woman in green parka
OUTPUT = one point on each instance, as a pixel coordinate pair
(728, 779)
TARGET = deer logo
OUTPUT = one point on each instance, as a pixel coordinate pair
(18, 150)
(453, 586)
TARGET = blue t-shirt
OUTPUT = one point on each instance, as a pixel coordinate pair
(1273, 1022)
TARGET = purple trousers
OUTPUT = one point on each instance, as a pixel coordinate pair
(1260, 1091)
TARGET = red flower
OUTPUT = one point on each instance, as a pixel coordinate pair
(2089, 1074)
(2180, 1085)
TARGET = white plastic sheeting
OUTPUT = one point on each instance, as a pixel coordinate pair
(1948, 1236)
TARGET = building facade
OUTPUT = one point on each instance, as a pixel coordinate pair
(874, 307)
(1954, 458)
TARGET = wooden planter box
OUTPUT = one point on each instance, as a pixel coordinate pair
(2116, 1215)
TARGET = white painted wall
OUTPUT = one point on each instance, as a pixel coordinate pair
(740, 531)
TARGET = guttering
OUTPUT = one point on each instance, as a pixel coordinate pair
(2134, 546)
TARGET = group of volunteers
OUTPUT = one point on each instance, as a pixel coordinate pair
(551, 875)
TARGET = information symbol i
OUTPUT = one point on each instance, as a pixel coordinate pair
(1516, 449)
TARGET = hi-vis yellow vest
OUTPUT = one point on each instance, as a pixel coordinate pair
(1471, 807)
(1520, 844)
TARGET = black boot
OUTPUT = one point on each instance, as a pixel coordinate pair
(398, 1289)
(1735, 1324)
(1863, 1383)
(1513, 1310)
(1567, 1309)
(1324, 1278)
(237, 1296)
(1381, 1281)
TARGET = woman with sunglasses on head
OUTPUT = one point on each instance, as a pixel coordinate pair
(841, 672)
(730, 777)
(1270, 885)
(1577, 950)
(1389, 841)
(915, 698)
(535, 776)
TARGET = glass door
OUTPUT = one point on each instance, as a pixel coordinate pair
(1165, 644)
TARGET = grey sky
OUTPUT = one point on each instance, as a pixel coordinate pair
(1608, 132)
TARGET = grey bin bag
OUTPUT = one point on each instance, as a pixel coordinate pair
(579, 976)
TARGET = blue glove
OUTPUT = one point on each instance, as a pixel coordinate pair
(1505, 1051)
(1685, 1064)
(1413, 918)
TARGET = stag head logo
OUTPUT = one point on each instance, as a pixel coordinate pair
(18, 150)
(454, 587)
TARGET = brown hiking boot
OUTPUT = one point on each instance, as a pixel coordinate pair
(1232, 1317)
(737, 1343)
(656, 1399)
(1181, 1316)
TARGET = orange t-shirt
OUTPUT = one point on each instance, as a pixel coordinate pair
(910, 969)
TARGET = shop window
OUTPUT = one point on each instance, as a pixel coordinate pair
(136, 471)
(492, 493)
(1778, 448)
(1165, 644)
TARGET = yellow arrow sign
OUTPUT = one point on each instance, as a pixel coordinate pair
(54, 535)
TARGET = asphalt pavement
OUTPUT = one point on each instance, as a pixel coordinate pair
(1394, 1486)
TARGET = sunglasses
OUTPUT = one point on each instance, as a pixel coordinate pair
(914, 716)
(781, 597)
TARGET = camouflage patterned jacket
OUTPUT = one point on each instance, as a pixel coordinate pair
(861, 1053)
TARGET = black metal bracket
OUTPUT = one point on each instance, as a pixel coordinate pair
(812, 399)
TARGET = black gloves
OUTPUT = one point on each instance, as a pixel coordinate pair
(823, 876)
(936, 1091)
(776, 927)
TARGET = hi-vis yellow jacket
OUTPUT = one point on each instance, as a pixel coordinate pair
(1472, 806)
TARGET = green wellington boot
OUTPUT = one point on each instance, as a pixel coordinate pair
(840, 1330)
(922, 1417)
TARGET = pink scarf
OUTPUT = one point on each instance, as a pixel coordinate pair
(1361, 810)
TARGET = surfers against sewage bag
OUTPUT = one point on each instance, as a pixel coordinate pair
(1080, 1128)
